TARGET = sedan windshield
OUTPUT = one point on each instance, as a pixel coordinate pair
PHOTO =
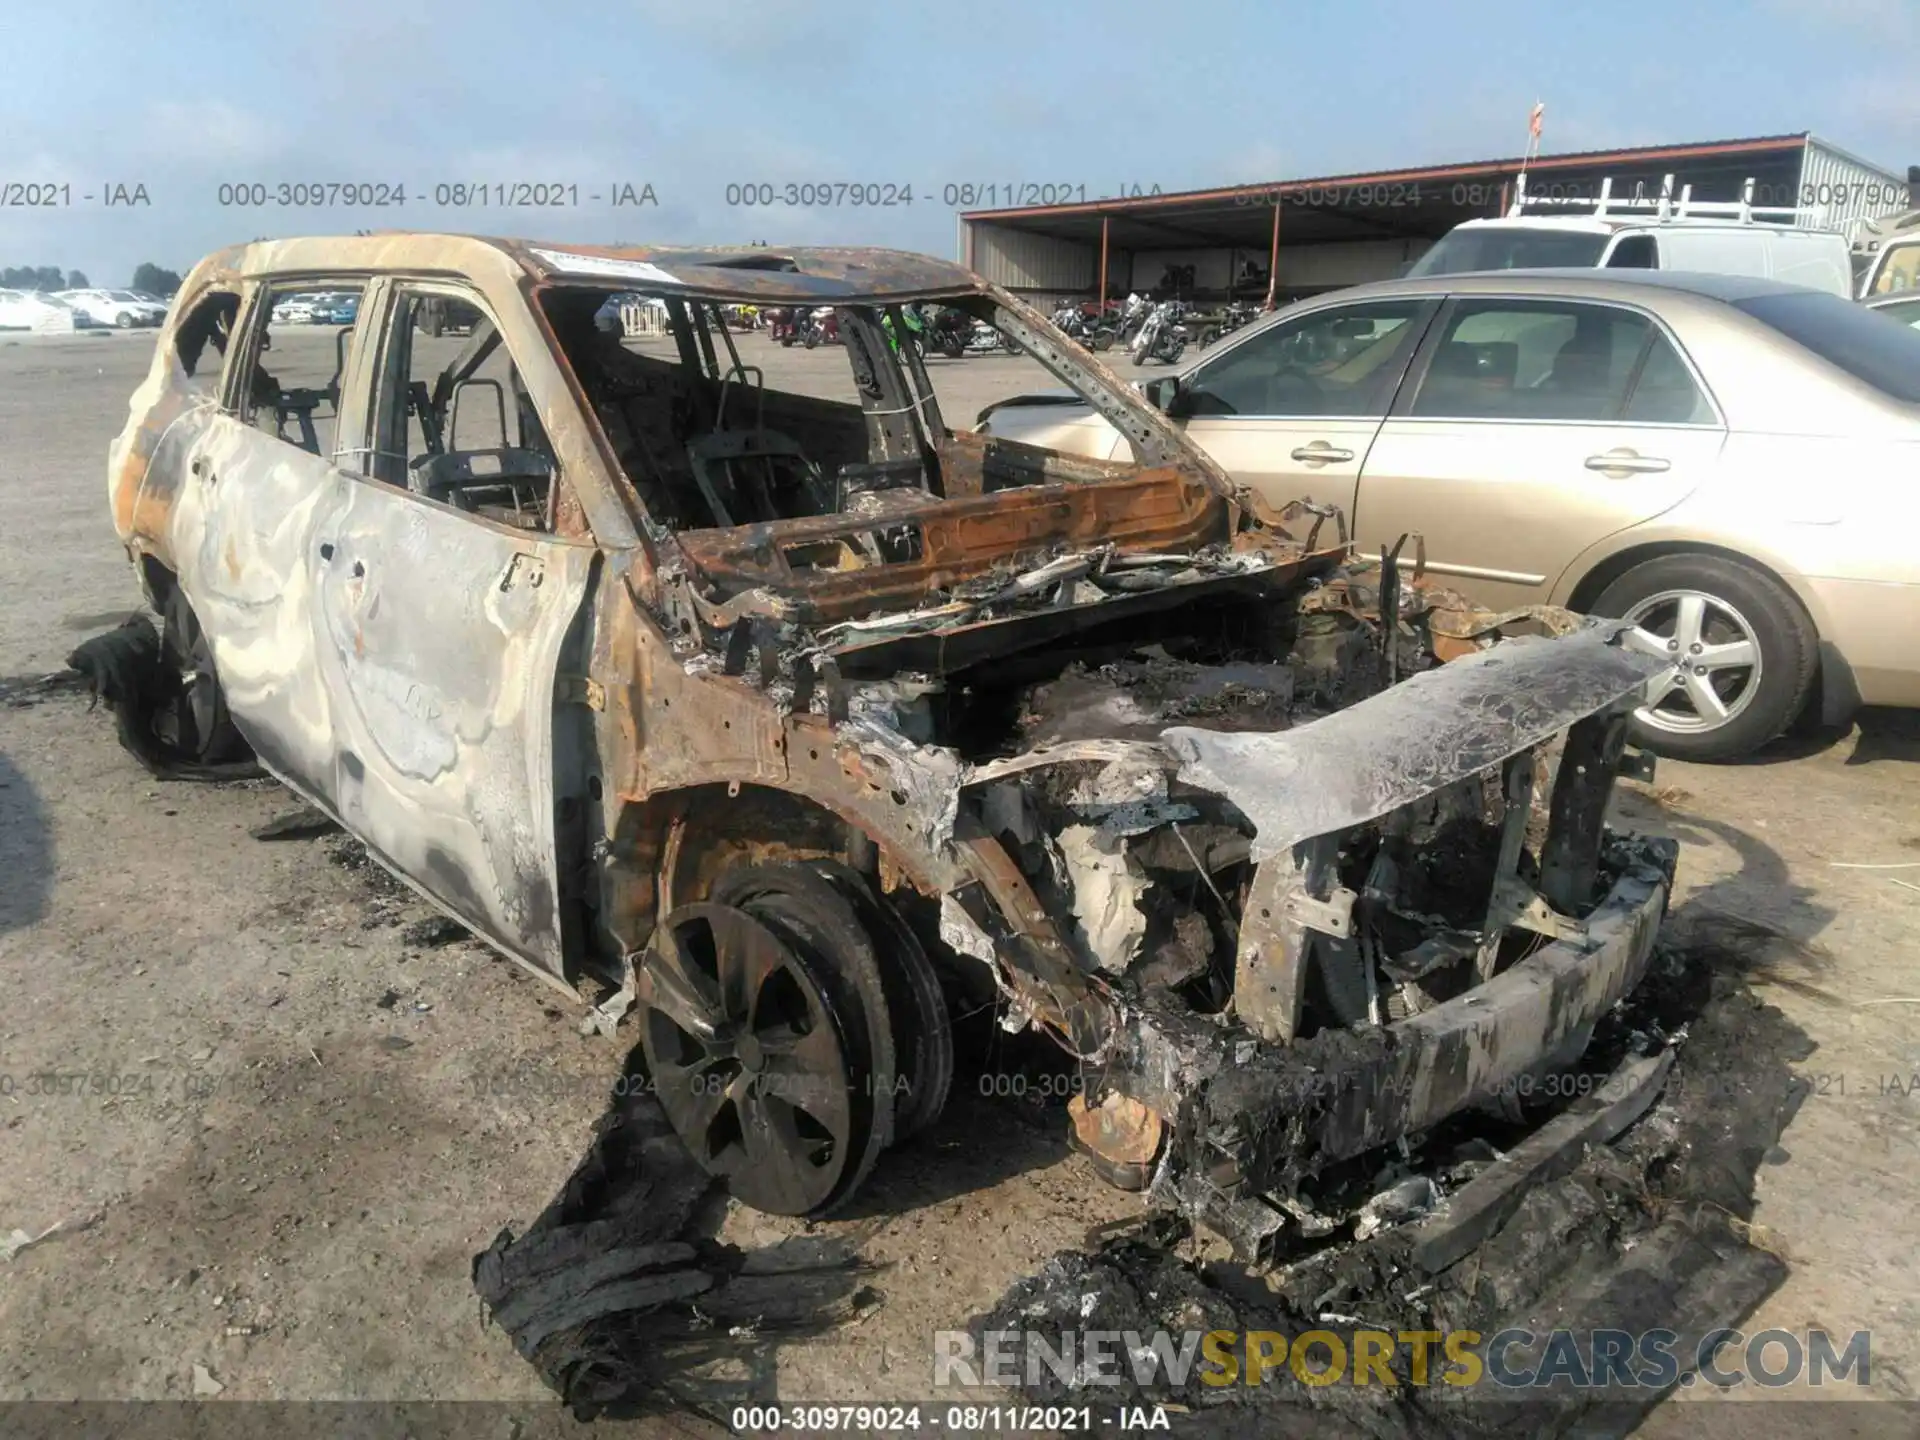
(1512, 247)
(1846, 334)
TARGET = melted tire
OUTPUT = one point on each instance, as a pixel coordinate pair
(202, 729)
(922, 1019)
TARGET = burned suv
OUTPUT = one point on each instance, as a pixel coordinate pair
(792, 719)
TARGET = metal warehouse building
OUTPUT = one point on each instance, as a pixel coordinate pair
(1286, 239)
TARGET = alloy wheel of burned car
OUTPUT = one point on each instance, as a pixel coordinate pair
(793, 1029)
(761, 1064)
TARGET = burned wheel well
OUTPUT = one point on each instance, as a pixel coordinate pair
(157, 581)
(676, 846)
(717, 830)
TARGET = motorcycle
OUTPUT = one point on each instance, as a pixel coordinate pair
(813, 328)
(1090, 333)
(1133, 315)
(948, 331)
(916, 328)
(1162, 337)
(1237, 314)
(985, 340)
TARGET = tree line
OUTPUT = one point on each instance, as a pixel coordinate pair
(148, 277)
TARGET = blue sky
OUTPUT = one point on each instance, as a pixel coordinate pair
(690, 97)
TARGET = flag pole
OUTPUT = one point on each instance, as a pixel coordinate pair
(1532, 153)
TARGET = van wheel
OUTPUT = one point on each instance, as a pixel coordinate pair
(194, 720)
(1743, 654)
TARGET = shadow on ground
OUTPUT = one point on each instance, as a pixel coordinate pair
(26, 850)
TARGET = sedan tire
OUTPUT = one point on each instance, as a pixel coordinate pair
(1744, 654)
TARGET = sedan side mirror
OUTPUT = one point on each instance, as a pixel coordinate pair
(1167, 395)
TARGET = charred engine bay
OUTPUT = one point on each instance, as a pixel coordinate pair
(1105, 645)
(623, 1301)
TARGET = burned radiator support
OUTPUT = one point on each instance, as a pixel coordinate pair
(1299, 916)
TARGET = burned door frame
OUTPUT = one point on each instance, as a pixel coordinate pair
(438, 636)
(240, 531)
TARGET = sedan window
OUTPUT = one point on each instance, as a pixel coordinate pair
(1345, 361)
(1843, 333)
(1665, 393)
(1527, 360)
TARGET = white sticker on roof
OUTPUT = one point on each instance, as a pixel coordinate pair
(571, 264)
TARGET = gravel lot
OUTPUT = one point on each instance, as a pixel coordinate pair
(321, 1115)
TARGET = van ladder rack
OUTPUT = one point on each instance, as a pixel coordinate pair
(1662, 208)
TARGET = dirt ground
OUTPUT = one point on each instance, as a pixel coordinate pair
(299, 1113)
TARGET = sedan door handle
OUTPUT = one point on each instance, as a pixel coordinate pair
(1627, 462)
(1320, 453)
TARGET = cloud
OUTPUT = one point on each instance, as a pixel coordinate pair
(207, 134)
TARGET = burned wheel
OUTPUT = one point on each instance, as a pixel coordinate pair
(755, 1060)
(729, 991)
(194, 719)
(917, 1002)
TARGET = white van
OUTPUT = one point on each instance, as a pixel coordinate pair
(1664, 235)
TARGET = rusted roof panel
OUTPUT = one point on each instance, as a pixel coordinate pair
(827, 274)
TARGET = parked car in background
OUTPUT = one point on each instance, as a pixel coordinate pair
(36, 310)
(607, 318)
(1904, 308)
(1727, 462)
(295, 310)
(122, 309)
(19, 310)
(339, 309)
(1818, 259)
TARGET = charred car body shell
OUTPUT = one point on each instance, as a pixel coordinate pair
(561, 733)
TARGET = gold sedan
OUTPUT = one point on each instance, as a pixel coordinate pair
(1731, 463)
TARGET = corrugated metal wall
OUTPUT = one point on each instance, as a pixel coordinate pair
(1021, 260)
(1841, 190)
